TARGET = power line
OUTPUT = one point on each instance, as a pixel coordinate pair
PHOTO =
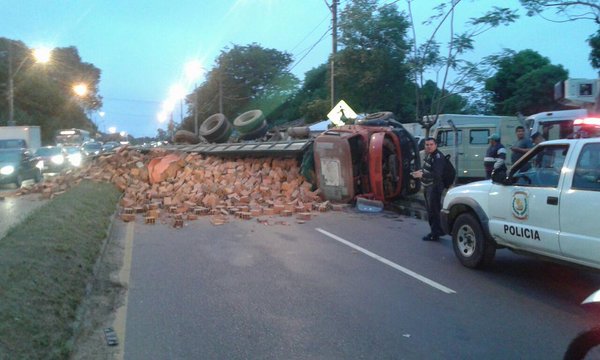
(132, 100)
(310, 49)
(310, 33)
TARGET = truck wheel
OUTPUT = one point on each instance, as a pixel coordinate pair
(382, 115)
(248, 121)
(471, 246)
(224, 135)
(256, 133)
(213, 127)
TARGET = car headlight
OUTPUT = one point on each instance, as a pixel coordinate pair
(58, 159)
(40, 165)
(7, 170)
(75, 159)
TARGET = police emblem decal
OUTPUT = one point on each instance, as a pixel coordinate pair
(520, 205)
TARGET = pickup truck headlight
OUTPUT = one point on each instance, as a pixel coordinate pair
(7, 170)
(58, 159)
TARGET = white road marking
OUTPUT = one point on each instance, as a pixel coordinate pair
(389, 263)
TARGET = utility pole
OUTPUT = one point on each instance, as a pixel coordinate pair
(196, 110)
(220, 93)
(333, 8)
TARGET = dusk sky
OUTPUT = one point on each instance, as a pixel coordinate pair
(141, 46)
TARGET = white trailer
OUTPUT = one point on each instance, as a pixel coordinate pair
(30, 134)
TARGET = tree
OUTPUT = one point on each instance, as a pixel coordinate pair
(371, 71)
(569, 10)
(426, 59)
(524, 83)
(43, 93)
(594, 41)
(310, 102)
(244, 78)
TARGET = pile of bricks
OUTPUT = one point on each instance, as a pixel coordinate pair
(176, 187)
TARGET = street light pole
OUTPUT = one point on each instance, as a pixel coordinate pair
(42, 56)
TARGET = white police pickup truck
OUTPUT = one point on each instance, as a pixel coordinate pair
(547, 205)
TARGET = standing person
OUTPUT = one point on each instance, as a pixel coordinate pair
(433, 187)
(520, 147)
(537, 138)
(495, 156)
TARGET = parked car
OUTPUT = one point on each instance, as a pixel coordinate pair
(110, 146)
(18, 165)
(54, 159)
(91, 149)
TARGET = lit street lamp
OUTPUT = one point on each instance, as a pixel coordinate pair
(80, 89)
(41, 55)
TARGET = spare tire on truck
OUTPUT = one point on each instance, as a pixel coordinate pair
(249, 121)
(185, 137)
(256, 133)
(215, 127)
(225, 135)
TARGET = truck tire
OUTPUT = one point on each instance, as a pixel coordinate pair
(256, 133)
(470, 245)
(185, 137)
(382, 115)
(248, 121)
(213, 127)
(224, 135)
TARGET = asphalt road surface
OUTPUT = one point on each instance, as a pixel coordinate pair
(14, 209)
(341, 286)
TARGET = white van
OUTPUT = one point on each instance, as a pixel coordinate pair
(554, 124)
(468, 147)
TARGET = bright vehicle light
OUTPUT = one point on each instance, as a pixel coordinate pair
(58, 159)
(587, 121)
(75, 159)
(7, 170)
(40, 165)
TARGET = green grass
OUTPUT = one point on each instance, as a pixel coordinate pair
(45, 264)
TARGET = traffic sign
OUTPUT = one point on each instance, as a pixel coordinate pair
(340, 112)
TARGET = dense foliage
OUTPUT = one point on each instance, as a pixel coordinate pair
(524, 82)
(379, 66)
(43, 93)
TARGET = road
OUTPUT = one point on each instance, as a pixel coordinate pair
(14, 209)
(340, 286)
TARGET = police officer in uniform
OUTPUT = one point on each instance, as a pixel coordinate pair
(433, 186)
(495, 156)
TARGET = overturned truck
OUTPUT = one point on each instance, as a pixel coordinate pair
(372, 158)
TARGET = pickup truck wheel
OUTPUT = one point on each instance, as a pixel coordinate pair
(583, 343)
(471, 246)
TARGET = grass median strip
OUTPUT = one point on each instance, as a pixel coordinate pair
(45, 264)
